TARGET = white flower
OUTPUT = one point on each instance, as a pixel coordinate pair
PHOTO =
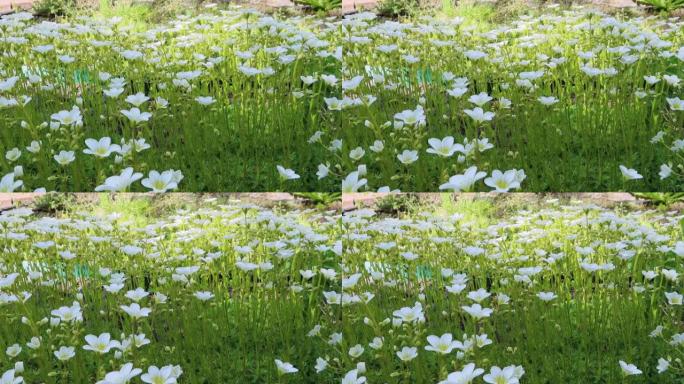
(457, 92)
(163, 375)
(65, 353)
(131, 55)
(675, 104)
(356, 153)
(113, 92)
(67, 255)
(352, 183)
(69, 314)
(479, 295)
(629, 173)
(464, 182)
(64, 157)
(352, 377)
(8, 184)
(546, 296)
(9, 378)
(137, 100)
(665, 171)
(284, 367)
(161, 182)
(308, 80)
(503, 181)
(101, 148)
(204, 295)
(137, 294)
(442, 344)
(407, 353)
(651, 79)
(8, 84)
(356, 351)
(122, 376)
(13, 350)
(34, 147)
(674, 298)
(135, 115)
(411, 117)
(13, 154)
(72, 117)
(479, 115)
(286, 173)
(480, 99)
(547, 100)
(321, 365)
(408, 156)
(477, 311)
(323, 171)
(377, 146)
(134, 310)
(663, 365)
(444, 147)
(629, 369)
(506, 375)
(100, 344)
(464, 376)
(205, 100)
(120, 182)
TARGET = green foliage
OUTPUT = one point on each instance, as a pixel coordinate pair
(321, 5)
(251, 318)
(663, 5)
(320, 199)
(479, 211)
(592, 118)
(54, 8)
(397, 8)
(135, 15)
(260, 133)
(398, 203)
(601, 313)
(661, 198)
(53, 203)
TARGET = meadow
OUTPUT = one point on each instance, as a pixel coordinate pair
(128, 291)
(234, 99)
(225, 100)
(506, 292)
(564, 99)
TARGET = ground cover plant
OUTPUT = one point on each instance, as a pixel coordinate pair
(127, 292)
(482, 292)
(569, 99)
(228, 100)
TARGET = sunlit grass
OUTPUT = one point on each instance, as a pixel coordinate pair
(230, 288)
(566, 290)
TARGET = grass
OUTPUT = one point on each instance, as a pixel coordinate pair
(603, 109)
(253, 318)
(257, 112)
(238, 100)
(436, 259)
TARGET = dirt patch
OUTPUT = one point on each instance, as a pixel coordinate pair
(9, 6)
(351, 201)
(10, 200)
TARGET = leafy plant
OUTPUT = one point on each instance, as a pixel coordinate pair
(52, 203)
(663, 5)
(397, 8)
(397, 203)
(321, 5)
(661, 198)
(54, 7)
(320, 199)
